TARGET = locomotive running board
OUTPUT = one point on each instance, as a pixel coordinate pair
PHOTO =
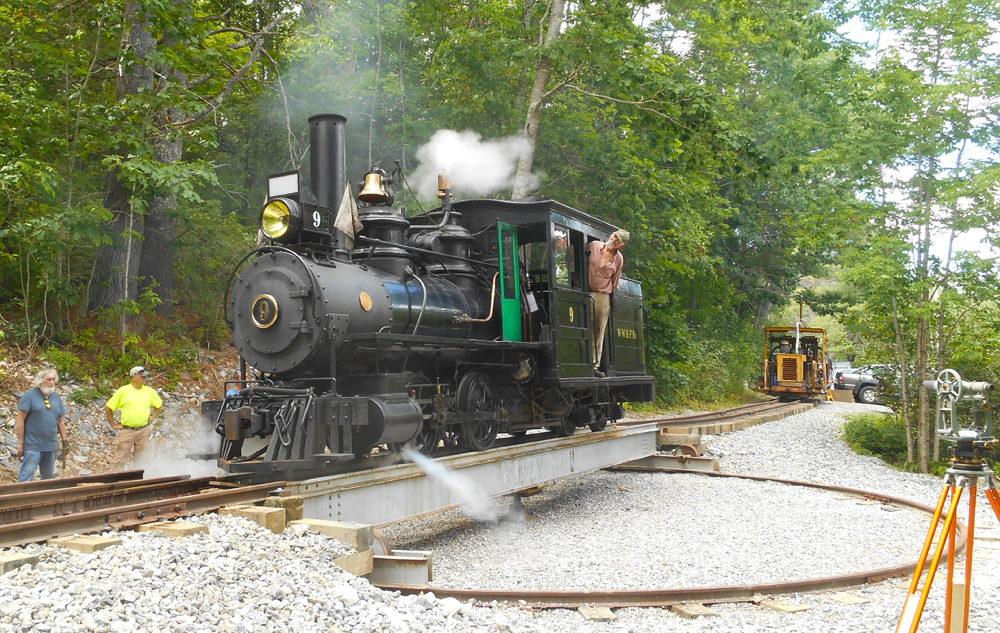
(397, 493)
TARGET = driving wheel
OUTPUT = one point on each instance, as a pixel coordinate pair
(477, 394)
(566, 428)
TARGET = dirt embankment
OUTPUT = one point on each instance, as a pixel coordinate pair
(178, 430)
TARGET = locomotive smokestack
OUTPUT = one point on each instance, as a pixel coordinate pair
(328, 165)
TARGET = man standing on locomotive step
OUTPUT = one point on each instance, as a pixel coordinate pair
(605, 268)
(136, 401)
(39, 417)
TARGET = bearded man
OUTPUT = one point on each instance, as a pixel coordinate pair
(39, 418)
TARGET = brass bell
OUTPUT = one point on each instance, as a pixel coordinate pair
(374, 191)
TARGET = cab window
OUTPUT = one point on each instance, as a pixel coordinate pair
(565, 250)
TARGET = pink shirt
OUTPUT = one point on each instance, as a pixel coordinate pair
(604, 278)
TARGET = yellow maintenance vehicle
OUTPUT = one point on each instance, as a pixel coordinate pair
(796, 365)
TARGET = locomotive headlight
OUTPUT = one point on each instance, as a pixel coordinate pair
(281, 219)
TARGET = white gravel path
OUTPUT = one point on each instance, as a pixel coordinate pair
(601, 530)
(629, 530)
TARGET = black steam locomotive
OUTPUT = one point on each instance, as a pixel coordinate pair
(445, 328)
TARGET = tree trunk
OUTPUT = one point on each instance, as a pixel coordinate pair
(116, 264)
(522, 178)
(156, 266)
(923, 326)
(925, 433)
(936, 450)
(942, 339)
(904, 394)
(760, 315)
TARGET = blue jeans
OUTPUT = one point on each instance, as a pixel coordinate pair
(32, 460)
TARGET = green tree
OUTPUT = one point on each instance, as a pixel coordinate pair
(936, 72)
(180, 61)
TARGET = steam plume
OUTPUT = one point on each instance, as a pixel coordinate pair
(477, 505)
(474, 166)
(162, 461)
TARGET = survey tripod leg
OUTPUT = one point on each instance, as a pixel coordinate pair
(913, 607)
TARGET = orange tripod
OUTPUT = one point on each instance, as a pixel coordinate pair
(968, 469)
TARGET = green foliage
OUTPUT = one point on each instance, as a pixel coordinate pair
(835, 303)
(88, 394)
(741, 161)
(67, 363)
(883, 436)
(103, 361)
(204, 267)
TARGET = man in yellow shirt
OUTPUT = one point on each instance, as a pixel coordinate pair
(139, 405)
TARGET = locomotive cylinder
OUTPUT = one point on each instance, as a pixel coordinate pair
(392, 419)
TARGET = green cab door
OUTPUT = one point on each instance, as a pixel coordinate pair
(510, 289)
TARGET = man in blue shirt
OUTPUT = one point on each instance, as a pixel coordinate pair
(39, 418)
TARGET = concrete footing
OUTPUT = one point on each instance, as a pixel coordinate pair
(175, 529)
(692, 611)
(411, 568)
(85, 544)
(12, 560)
(270, 518)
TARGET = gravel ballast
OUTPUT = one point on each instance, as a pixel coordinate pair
(615, 530)
(621, 530)
(603, 530)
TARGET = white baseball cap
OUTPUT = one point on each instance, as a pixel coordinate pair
(140, 370)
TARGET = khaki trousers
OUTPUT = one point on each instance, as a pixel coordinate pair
(128, 440)
(602, 310)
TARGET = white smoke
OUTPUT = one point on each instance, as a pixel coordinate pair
(474, 166)
(476, 504)
(173, 466)
(166, 456)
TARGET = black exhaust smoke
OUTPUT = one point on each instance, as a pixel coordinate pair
(328, 165)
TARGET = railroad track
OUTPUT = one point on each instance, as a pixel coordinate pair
(725, 415)
(40, 510)
(37, 511)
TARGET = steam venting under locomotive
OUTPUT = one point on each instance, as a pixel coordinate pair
(442, 329)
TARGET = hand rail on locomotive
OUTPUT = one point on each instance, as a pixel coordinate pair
(645, 336)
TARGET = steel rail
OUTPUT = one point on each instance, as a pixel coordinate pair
(82, 489)
(30, 506)
(68, 482)
(117, 517)
(551, 599)
(713, 416)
